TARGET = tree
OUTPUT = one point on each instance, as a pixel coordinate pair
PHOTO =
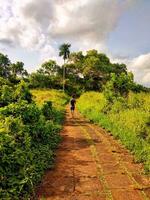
(76, 57)
(96, 70)
(48, 76)
(64, 51)
(118, 86)
(4, 66)
(17, 69)
(17, 72)
(40, 80)
(49, 68)
(119, 68)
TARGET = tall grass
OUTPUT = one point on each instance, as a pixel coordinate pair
(58, 98)
(128, 120)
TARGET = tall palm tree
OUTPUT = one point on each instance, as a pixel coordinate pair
(64, 51)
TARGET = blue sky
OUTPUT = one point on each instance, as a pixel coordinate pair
(131, 36)
(31, 31)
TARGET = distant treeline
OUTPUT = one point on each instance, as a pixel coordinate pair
(92, 71)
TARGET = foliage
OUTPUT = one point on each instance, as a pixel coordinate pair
(6, 95)
(49, 68)
(22, 92)
(18, 69)
(118, 86)
(4, 66)
(29, 135)
(64, 50)
(127, 119)
(47, 109)
(91, 71)
(4, 81)
(48, 76)
(81, 72)
(9, 93)
(13, 72)
(139, 88)
(40, 80)
(85, 72)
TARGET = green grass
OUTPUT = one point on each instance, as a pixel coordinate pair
(58, 98)
(128, 121)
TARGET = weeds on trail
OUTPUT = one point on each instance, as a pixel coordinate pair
(128, 120)
(28, 137)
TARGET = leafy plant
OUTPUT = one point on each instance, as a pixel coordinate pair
(28, 138)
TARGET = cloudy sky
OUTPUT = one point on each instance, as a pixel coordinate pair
(32, 30)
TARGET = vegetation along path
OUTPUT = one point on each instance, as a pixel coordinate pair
(91, 165)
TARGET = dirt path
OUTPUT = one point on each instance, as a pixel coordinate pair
(91, 165)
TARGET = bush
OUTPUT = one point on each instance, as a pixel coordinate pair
(22, 92)
(118, 86)
(47, 110)
(10, 94)
(6, 95)
(28, 137)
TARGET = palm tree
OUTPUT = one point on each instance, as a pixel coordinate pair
(65, 52)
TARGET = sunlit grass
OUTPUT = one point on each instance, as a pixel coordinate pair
(58, 98)
(128, 121)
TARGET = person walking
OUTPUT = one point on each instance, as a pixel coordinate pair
(72, 105)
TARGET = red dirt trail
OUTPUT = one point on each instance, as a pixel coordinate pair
(91, 165)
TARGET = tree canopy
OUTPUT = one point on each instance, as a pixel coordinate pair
(92, 70)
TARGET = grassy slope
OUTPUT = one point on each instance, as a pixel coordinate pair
(127, 121)
(58, 98)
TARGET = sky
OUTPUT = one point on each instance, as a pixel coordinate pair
(32, 31)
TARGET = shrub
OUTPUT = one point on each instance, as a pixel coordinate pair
(22, 92)
(47, 109)
(118, 86)
(28, 137)
(6, 95)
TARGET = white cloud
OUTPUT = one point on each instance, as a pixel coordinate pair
(146, 79)
(33, 12)
(35, 24)
(140, 66)
(142, 62)
(42, 25)
(47, 52)
(89, 22)
(24, 23)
